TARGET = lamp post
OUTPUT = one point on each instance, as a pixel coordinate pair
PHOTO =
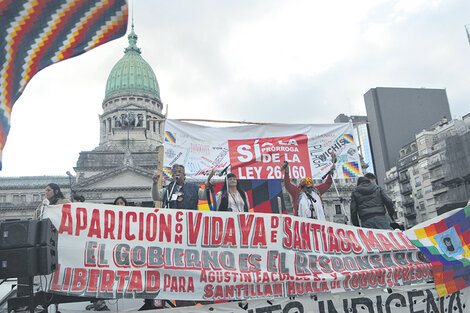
(70, 183)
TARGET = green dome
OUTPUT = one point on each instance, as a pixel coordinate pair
(132, 74)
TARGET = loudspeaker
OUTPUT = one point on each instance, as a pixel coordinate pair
(48, 234)
(48, 261)
(17, 234)
(28, 248)
(18, 262)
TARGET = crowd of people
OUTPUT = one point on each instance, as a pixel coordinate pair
(370, 206)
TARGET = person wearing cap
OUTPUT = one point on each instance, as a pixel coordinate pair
(370, 204)
(179, 194)
(306, 198)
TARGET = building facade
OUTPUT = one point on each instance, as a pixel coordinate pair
(395, 115)
(433, 171)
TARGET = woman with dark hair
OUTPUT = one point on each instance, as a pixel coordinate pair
(232, 197)
(121, 201)
(54, 195)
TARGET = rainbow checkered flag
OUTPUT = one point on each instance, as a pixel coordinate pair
(37, 33)
(445, 241)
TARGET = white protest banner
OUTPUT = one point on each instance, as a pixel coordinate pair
(420, 298)
(258, 151)
(110, 251)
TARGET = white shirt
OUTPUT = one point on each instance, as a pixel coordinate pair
(235, 201)
(305, 203)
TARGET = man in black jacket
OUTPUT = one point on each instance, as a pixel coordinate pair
(370, 204)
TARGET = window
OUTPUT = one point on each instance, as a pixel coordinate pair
(16, 198)
(3, 198)
(338, 208)
(23, 198)
(36, 198)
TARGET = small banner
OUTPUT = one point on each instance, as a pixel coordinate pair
(258, 151)
(110, 251)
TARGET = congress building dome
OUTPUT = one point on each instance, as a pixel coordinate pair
(132, 116)
(132, 74)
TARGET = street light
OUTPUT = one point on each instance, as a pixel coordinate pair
(70, 183)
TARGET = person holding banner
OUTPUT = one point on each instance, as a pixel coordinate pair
(179, 194)
(232, 197)
(306, 199)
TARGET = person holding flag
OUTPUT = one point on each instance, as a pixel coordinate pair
(306, 198)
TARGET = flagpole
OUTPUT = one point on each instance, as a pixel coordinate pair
(210, 121)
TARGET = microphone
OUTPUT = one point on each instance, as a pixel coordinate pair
(68, 173)
(45, 203)
(224, 171)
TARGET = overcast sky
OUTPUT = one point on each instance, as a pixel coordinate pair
(264, 61)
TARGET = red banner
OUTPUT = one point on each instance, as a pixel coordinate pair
(263, 158)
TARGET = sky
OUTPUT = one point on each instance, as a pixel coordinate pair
(267, 61)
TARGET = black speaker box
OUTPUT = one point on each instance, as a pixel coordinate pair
(28, 248)
(32, 261)
(18, 234)
(48, 234)
(47, 260)
(18, 262)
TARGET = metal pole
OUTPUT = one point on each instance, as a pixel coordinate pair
(70, 183)
(340, 200)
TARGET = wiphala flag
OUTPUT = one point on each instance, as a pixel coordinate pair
(37, 33)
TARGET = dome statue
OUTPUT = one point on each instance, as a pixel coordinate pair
(132, 74)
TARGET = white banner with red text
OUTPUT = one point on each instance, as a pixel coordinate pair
(259, 151)
(422, 298)
(110, 251)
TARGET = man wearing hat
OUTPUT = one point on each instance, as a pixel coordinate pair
(306, 199)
